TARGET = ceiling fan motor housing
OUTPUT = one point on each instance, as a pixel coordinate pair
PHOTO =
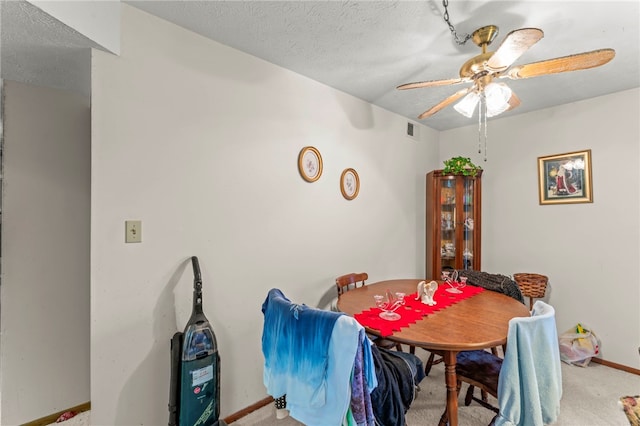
(475, 65)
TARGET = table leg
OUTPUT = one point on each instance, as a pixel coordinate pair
(452, 386)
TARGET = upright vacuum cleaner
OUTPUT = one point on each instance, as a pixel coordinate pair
(194, 392)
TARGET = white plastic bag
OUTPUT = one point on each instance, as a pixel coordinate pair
(578, 345)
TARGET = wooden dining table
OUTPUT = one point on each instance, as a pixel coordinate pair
(478, 322)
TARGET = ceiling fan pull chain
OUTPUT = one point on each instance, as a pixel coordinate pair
(466, 38)
(482, 122)
(480, 126)
(485, 133)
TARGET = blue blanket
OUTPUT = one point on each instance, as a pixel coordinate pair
(530, 381)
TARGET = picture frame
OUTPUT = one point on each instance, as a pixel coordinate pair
(310, 164)
(565, 178)
(349, 184)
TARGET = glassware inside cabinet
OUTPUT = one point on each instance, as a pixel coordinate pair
(448, 222)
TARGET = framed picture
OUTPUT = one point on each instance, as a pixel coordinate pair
(565, 178)
(349, 184)
(310, 164)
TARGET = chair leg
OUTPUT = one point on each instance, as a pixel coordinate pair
(469, 396)
(427, 368)
(444, 419)
(399, 347)
(493, 420)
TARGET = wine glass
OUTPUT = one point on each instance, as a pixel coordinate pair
(389, 305)
(460, 284)
(455, 286)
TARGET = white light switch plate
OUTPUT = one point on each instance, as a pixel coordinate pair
(133, 231)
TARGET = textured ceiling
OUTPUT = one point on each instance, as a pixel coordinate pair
(367, 48)
(36, 48)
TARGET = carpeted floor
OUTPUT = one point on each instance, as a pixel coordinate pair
(591, 397)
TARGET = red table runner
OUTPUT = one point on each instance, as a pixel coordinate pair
(413, 310)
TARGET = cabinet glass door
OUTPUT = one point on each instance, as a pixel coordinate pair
(467, 224)
(448, 223)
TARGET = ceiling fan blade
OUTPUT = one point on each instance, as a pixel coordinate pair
(579, 61)
(513, 46)
(445, 102)
(432, 83)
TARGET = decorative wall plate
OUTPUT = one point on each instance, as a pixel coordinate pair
(310, 164)
(349, 184)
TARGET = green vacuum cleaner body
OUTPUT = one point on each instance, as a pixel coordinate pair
(194, 397)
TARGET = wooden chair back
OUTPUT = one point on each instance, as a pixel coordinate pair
(352, 280)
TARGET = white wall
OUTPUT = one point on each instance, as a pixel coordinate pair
(200, 142)
(589, 252)
(45, 252)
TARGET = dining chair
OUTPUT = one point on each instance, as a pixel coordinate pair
(527, 383)
(353, 280)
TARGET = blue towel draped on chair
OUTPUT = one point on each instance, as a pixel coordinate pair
(309, 357)
(530, 381)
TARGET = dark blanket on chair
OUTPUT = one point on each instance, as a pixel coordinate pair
(494, 282)
(396, 385)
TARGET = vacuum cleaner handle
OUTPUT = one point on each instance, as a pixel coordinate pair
(197, 314)
(197, 278)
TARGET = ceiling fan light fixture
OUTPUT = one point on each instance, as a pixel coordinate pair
(497, 97)
(468, 104)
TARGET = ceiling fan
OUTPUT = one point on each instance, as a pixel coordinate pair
(485, 69)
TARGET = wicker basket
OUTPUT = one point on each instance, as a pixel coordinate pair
(531, 285)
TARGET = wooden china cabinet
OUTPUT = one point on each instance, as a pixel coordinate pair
(453, 222)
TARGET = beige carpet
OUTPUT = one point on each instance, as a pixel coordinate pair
(590, 398)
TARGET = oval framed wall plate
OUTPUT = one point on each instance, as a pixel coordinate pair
(349, 184)
(310, 164)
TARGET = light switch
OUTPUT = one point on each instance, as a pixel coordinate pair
(133, 231)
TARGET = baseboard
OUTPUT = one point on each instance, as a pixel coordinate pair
(616, 366)
(53, 417)
(250, 409)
